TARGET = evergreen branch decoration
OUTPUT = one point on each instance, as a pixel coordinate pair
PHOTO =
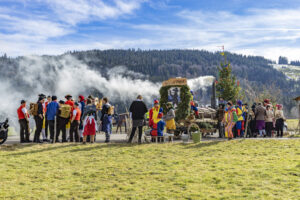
(184, 108)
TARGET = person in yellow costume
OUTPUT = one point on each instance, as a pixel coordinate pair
(230, 119)
(153, 114)
(169, 118)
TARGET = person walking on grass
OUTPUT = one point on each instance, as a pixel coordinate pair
(269, 120)
(24, 122)
(260, 113)
(138, 109)
(279, 116)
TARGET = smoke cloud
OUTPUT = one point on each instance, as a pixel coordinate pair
(67, 75)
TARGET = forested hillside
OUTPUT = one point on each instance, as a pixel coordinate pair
(257, 77)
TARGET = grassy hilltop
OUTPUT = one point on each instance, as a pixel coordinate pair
(239, 169)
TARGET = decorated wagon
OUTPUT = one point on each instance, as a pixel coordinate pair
(189, 118)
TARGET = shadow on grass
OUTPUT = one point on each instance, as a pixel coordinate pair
(56, 147)
(103, 146)
(203, 144)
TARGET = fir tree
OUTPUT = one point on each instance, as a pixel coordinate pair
(227, 87)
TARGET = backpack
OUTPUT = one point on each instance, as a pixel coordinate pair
(33, 109)
(65, 111)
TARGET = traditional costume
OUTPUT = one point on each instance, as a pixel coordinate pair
(193, 106)
(158, 127)
(90, 128)
(153, 114)
(169, 118)
(230, 119)
(241, 120)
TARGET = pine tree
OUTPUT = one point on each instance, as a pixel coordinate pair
(227, 87)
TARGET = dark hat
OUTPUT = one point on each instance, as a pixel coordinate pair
(76, 104)
(91, 97)
(61, 102)
(42, 95)
(68, 96)
(54, 98)
(41, 98)
(23, 101)
(267, 101)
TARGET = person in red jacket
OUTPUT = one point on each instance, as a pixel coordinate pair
(23, 117)
(69, 101)
(75, 120)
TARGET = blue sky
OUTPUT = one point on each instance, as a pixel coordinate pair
(264, 27)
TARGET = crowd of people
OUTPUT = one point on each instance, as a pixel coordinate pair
(261, 120)
(77, 119)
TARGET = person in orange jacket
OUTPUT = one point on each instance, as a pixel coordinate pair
(75, 120)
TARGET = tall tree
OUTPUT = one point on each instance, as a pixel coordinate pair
(283, 60)
(227, 86)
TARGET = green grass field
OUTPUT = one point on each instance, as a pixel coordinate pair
(239, 169)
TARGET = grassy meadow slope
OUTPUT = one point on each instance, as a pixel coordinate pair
(239, 169)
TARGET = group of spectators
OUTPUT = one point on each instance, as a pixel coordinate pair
(77, 119)
(261, 120)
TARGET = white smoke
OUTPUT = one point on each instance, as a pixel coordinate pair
(68, 75)
(201, 82)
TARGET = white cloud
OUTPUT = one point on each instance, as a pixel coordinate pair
(32, 28)
(264, 32)
(267, 32)
(77, 11)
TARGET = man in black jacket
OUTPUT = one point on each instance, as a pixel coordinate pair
(138, 110)
(39, 120)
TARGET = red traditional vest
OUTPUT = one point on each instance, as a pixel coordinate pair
(20, 113)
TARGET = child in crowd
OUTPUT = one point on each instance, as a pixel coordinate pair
(158, 128)
(89, 127)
